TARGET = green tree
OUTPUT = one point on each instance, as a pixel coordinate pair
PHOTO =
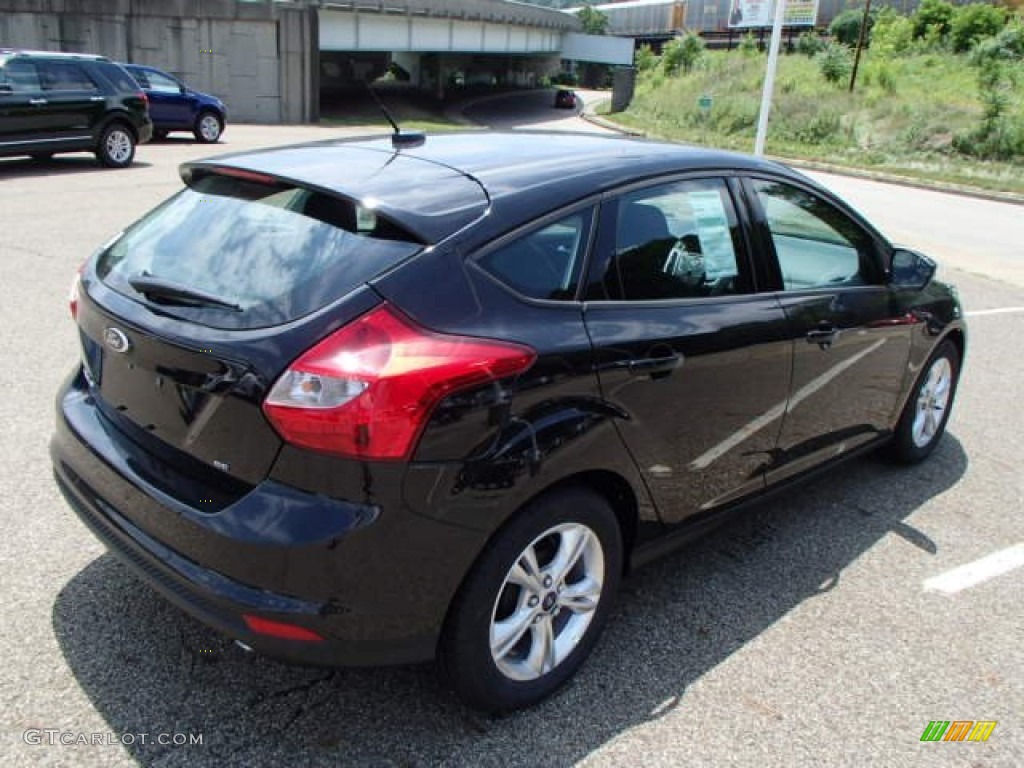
(594, 21)
(975, 22)
(845, 27)
(932, 15)
(892, 34)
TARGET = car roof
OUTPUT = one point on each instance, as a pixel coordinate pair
(452, 179)
(15, 52)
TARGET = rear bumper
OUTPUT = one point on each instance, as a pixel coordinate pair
(145, 130)
(336, 568)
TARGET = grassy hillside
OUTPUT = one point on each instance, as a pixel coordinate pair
(913, 115)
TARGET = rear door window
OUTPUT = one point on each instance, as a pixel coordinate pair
(270, 253)
(673, 241)
(118, 77)
(65, 76)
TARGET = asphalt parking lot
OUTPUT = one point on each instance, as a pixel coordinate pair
(804, 633)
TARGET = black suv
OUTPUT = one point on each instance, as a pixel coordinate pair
(70, 102)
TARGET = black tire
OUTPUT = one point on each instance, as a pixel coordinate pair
(42, 156)
(915, 440)
(203, 127)
(465, 659)
(116, 148)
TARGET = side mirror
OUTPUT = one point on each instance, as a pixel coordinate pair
(910, 269)
(182, 90)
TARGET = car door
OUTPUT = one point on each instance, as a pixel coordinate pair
(851, 342)
(23, 116)
(694, 359)
(75, 103)
(169, 103)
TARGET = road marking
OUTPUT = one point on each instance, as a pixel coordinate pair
(972, 574)
(1000, 311)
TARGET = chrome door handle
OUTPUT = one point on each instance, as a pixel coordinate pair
(97, 98)
(655, 367)
(37, 102)
(824, 335)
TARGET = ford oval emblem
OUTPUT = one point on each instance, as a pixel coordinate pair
(116, 340)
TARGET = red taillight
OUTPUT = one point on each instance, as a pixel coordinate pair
(367, 389)
(279, 629)
(76, 292)
(142, 95)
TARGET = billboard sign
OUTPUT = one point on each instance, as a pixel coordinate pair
(744, 14)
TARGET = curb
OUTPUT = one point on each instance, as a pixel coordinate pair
(857, 173)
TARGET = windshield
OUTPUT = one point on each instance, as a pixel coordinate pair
(269, 252)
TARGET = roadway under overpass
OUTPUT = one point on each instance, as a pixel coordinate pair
(441, 45)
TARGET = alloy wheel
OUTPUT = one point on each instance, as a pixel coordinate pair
(547, 601)
(209, 127)
(119, 146)
(932, 402)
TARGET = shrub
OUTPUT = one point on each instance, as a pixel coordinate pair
(975, 22)
(748, 45)
(682, 53)
(645, 59)
(821, 128)
(892, 34)
(809, 44)
(835, 62)
(934, 15)
(1005, 142)
(998, 136)
(881, 73)
(845, 27)
(1008, 45)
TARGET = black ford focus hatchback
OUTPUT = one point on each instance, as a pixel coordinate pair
(369, 401)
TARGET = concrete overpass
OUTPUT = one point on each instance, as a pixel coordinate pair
(440, 44)
(274, 60)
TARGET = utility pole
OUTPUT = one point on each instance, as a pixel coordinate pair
(860, 43)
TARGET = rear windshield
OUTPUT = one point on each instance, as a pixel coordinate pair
(268, 253)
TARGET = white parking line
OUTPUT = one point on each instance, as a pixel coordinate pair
(972, 574)
(1000, 311)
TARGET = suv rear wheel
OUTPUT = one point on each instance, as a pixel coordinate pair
(208, 127)
(533, 606)
(117, 146)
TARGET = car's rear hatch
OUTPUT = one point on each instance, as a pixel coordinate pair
(189, 316)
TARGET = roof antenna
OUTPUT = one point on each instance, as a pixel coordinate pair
(399, 139)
